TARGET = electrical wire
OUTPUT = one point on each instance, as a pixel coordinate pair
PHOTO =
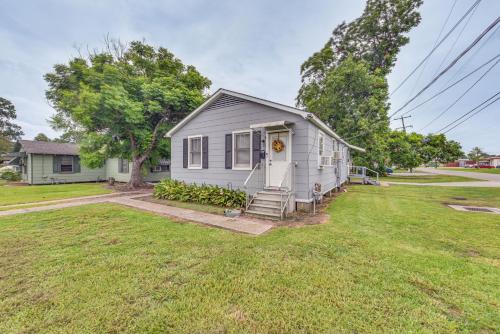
(453, 63)
(470, 111)
(462, 95)
(474, 114)
(452, 85)
(437, 46)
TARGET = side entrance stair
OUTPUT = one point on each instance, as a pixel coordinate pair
(267, 204)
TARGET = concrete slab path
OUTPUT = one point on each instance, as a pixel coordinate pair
(240, 224)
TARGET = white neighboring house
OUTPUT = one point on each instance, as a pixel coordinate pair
(280, 155)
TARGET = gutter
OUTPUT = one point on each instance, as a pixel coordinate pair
(316, 121)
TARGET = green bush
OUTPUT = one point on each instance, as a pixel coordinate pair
(10, 175)
(204, 194)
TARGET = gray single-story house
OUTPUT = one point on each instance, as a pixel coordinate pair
(281, 156)
(49, 163)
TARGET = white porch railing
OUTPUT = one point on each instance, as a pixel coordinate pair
(286, 187)
(255, 182)
(362, 172)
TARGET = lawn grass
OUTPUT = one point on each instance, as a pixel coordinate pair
(39, 193)
(390, 260)
(476, 170)
(427, 178)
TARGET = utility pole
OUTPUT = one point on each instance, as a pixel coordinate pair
(402, 118)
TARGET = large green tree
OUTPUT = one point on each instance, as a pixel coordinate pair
(405, 149)
(437, 148)
(359, 54)
(122, 101)
(9, 131)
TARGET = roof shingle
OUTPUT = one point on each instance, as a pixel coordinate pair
(42, 147)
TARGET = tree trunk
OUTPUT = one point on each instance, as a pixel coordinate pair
(135, 174)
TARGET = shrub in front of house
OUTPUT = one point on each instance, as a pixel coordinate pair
(203, 194)
(10, 175)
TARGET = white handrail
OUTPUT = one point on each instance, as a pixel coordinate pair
(286, 176)
(251, 173)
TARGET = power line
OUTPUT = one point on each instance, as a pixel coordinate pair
(437, 46)
(456, 40)
(474, 114)
(463, 94)
(470, 111)
(452, 85)
(483, 43)
(463, 53)
(435, 43)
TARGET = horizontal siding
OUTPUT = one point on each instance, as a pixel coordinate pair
(216, 124)
(112, 171)
(42, 169)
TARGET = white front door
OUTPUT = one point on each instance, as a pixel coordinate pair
(278, 158)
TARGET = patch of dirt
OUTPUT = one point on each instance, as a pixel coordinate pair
(123, 187)
(301, 218)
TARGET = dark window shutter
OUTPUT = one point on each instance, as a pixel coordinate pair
(255, 148)
(185, 153)
(56, 164)
(76, 164)
(204, 149)
(229, 151)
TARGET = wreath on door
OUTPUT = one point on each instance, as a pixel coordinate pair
(278, 145)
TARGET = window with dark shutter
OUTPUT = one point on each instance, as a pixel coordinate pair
(229, 151)
(77, 166)
(185, 153)
(204, 151)
(56, 164)
(255, 148)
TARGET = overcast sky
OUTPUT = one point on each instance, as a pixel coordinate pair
(255, 47)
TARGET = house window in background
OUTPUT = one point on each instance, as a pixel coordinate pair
(123, 166)
(66, 164)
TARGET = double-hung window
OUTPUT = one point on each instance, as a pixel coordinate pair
(242, 150)
(123, 166)
(66, 164)
(321, 144)
(194, 152)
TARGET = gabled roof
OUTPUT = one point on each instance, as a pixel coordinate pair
(302, 113)
(42, 147)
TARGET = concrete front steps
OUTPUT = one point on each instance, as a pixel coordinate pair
(267, 204)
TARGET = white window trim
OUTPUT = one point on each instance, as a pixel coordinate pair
(249, 131)
(201, 152)
(320, 135)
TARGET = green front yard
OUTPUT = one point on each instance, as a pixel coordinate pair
(476, 170)
(427, 178)
(27, 194)
(391, 259)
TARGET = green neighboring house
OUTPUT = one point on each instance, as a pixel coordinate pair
(51, 163)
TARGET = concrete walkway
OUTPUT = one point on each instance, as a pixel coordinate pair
(240, 224)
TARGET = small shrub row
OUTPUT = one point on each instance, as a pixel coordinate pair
(10, 175)
(204, 194)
